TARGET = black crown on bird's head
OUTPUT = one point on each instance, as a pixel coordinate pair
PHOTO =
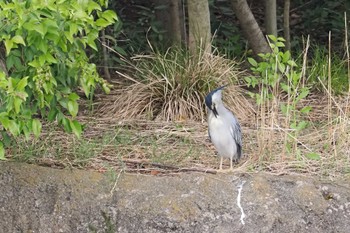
(209, 97)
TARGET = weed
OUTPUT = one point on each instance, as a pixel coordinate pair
(280, 91)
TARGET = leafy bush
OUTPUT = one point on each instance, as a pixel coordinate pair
(45, 62)
(278, 74)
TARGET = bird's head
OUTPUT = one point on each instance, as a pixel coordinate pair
(213, 99)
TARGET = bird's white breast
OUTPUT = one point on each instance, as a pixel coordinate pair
(221, 137)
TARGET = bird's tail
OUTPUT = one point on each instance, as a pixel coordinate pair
(239, 151)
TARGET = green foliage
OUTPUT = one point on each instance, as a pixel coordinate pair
(140, 27)
(318, 72)
(325, 14)
(277, 72)
(46, 61)
(227, 37)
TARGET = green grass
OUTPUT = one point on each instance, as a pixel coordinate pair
(318, 70)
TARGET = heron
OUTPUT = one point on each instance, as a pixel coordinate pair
(223, 128)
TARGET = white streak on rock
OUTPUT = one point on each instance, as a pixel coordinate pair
(240, 187)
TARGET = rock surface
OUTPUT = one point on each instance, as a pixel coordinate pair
(39, 199)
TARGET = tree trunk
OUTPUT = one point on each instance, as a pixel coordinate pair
(177, 27)
(199, 26)
(171, 16)
(286, 28)
(105, 56)
(250, 27)
(163, 16)
(270, 17)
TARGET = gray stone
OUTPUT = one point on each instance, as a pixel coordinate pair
(40, 199)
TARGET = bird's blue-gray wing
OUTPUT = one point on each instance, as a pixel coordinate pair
(209, 134)
(236, 133)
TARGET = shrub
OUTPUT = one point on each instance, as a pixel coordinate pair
(45, 62)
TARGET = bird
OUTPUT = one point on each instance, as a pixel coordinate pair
(223, 128)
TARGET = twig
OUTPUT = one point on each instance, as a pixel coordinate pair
(169, 167)
(116, 182)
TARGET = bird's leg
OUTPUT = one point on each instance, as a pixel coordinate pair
(221, 159)
(226, 170)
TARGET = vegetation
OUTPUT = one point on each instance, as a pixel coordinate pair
(171, 86)
(281, 89)
(293, 105)
(45, 62)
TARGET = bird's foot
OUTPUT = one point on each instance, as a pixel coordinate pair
(225, 170)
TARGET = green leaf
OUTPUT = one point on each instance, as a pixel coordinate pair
(52, 114)
(73, 96)
(26, 132)
(36, 127)
(298, 126)
(252, 62)
(17, 104)
(281, 67)
(106, 88)
(2, 151)
(50, 58)
(102, 23)
(63, 102)
(13, 127)
(273, 38)
(66, 125)
(284, 109)
(34, 63)
(313, 156)
(280, 44)
(292, 63)
(91, 39)
(306, 109)
(110, 16)
(93, 6)
(286, 57)
(8, 46)
(12, 60)
(6, 139)
(40, 29)
(302, 94)
(18, 40)
(86, 87)
(120, 50)
(76, 127)
(22, 84)
(73, 107)
(285, 87)
(73, 28)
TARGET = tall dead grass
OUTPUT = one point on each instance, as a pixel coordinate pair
(172, 86)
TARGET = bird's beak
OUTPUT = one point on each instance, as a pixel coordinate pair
(215, 112)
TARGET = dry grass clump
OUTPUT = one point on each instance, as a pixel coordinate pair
(172, 86)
